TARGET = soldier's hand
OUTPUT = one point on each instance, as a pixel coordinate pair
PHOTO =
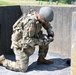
(51, 34)
(50, 39)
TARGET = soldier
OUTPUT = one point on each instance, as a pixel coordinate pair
(26, 35)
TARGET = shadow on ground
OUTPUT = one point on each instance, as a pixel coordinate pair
(58, 64)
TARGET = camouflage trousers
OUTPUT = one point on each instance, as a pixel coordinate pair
(22, 58)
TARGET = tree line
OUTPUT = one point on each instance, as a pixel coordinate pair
(61, 1)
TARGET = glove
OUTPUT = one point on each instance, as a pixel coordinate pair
(50, 39)
(51, 34)
(47, 40)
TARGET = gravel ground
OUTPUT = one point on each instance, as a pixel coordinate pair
(58, 68)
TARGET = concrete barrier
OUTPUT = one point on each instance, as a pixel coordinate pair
(62, 24)
(73, 45)
(8, 16)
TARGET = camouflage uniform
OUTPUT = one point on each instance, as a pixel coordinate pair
(26, 35)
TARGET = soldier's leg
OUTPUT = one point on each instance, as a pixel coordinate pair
(29, 51)
(43, 51)
(21, 63)
(42, 54)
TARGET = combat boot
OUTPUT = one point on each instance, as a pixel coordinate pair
(68, 62)
(2, 58)
(41, 61)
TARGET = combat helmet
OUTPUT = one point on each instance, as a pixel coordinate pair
(46, 13)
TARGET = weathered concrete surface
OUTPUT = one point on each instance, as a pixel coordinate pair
(59, 67)
(73, 45)
(62, 24)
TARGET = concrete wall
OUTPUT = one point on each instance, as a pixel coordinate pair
(8, 15)
(62, 24)
(62, 27)
(73, 47)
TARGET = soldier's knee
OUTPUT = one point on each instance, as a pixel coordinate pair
(20, 69)
(23, 69)
(20, 66)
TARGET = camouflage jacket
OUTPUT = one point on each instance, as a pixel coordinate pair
(28, 28)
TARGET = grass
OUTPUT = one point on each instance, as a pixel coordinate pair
(21, 2)
(27, 2)
(3, 3)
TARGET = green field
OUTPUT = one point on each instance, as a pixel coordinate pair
(26, 2)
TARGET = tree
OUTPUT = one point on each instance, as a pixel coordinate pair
(62, 1)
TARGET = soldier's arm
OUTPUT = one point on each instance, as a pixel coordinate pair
(48, 28)
(31, 28)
